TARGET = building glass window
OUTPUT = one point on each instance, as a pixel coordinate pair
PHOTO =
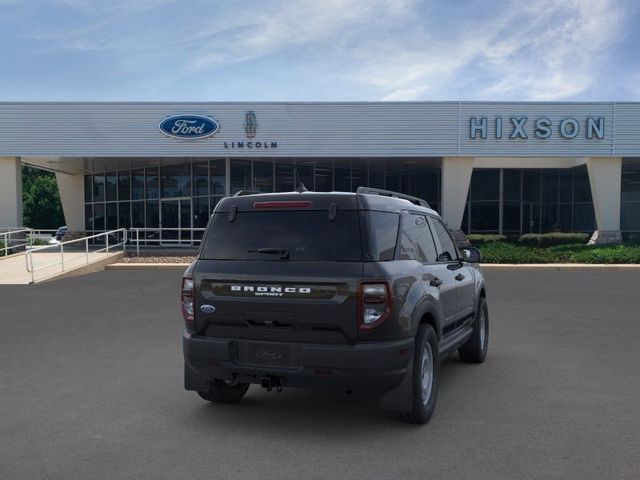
(217, 171)
(152, 182)
(582, 188)
(152, 214)
(376, 174)
(359, 174)
(200, 212)
(485, 184)
(630, 206)
(566, 186)
(124, 185)
(304, 175)
(137, 184)
(176, 180)
(88, 217)
(511, 217)
(137, 214)
(284, 178)
(240, 176)
(112, 215)
(111, 186)
(88, 188)
(342, 177)
(512, 181)
(485, 216)
(534, 200)
(531, 186)
(201, 178)
(98, 217)
(98, 188)
(263, 176)
(124, 215)
(323, 179)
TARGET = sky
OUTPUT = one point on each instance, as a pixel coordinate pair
(319, 50)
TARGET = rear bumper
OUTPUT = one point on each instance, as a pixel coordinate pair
(372, 367)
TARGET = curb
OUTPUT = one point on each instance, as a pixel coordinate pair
(561, 266)
(551, 266)
(145, 266)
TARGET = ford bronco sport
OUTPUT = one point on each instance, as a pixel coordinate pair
(357, 291)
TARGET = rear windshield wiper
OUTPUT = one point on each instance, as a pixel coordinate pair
(283, 252)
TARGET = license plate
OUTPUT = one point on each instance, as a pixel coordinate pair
(269, 354)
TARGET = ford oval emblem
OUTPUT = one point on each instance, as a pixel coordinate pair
(189, 126)
(208, 308)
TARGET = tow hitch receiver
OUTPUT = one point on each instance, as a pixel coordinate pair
(269, 383)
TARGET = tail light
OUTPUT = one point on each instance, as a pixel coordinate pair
(375, 303)
(186, 298)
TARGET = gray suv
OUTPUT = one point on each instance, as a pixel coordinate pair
(361, 292)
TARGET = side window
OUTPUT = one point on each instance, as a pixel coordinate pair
(449, 251)
(416, 242)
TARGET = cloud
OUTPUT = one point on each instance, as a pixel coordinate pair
(395, 50)
(544, 50)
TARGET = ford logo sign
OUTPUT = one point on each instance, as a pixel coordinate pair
(189, 126)
(208, 308)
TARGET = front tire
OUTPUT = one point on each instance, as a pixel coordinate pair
(474, 350)
(426, 368)
(222, 392)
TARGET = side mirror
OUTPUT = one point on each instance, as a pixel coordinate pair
(471, 255)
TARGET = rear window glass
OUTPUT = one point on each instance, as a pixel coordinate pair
(304, 235)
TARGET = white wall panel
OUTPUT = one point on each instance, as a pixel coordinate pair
(380, 129)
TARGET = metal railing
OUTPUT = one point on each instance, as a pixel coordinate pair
(165, 237)
(119, 233)
(26, 235)
(8, 242)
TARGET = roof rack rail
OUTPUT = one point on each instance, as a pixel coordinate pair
(242, 193)
(389, 193)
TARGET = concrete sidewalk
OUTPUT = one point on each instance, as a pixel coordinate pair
(13, 269)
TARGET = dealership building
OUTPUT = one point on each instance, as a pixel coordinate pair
(487, 167)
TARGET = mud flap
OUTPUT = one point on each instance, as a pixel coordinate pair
(401, 397)
(194, 380)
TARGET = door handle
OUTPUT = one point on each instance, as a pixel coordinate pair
(436, 282)
(459, 277)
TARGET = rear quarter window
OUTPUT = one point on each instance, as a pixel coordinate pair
(382, 228)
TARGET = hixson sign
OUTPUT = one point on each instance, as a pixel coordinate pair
(543, 127)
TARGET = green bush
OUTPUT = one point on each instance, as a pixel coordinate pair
(608, 254)
(503, 252)
(481, 239)
(1, 249)
(553, 239)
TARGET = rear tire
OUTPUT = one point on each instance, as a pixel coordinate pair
(474, 350)
(222, 392)
(426, 368)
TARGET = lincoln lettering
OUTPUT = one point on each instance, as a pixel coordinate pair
(521, 127)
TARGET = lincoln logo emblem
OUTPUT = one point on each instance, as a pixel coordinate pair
(250, 124)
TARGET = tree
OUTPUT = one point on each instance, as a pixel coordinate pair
(41, 207)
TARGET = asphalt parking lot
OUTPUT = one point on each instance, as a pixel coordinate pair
(91, 387)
